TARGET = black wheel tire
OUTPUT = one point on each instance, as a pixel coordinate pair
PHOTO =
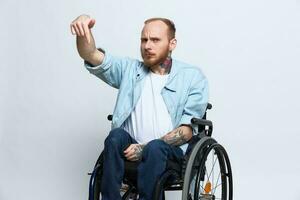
(198, 158)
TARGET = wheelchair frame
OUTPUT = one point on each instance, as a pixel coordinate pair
(187, 176)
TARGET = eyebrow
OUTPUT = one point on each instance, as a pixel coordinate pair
(151, 38)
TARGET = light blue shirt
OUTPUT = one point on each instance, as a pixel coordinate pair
(185, 93)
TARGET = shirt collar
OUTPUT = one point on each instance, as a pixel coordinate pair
(171, 83)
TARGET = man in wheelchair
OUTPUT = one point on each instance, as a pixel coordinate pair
(157, 98)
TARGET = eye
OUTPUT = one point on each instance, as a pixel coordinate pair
(143, 40)
(155, 39)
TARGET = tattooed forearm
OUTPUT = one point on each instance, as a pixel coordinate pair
(175, 137)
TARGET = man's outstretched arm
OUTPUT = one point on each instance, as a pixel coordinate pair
(81, 27)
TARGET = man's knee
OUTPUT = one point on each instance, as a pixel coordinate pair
(115, 136)
(155, 147)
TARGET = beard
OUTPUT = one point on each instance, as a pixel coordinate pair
(153, 59)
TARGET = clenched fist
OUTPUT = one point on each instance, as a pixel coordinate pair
(81, 26)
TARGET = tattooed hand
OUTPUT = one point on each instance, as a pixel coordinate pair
(134, 152)
(179, 136)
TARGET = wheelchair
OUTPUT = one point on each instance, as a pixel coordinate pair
(204, 173)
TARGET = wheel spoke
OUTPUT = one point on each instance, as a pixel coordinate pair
(217, 186)
(214, 188)
(202, 186)
(206, 173)
(212, 167)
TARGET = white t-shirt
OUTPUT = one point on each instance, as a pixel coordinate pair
(150, 118)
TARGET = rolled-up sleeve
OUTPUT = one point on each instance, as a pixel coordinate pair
(197, 100)
(111, 70)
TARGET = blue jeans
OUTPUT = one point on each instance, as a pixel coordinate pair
(153, 163)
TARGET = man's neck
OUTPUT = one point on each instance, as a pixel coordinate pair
(163, 68)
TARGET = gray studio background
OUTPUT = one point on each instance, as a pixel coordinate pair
(53, 112)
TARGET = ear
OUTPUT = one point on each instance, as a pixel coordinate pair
(172, 44)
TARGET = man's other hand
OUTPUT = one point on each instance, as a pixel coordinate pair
(134, 152)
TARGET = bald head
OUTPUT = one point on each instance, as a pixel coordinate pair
(170, 25)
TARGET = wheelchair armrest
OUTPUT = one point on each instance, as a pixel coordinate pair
(203, 122)
(203, 125)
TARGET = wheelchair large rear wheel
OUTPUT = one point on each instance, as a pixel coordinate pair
(95, 180)
(208, 173)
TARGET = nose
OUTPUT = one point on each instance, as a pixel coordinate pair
(148, 44)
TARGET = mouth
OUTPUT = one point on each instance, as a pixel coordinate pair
(148, 55)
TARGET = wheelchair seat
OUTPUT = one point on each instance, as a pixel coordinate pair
(130, 175)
